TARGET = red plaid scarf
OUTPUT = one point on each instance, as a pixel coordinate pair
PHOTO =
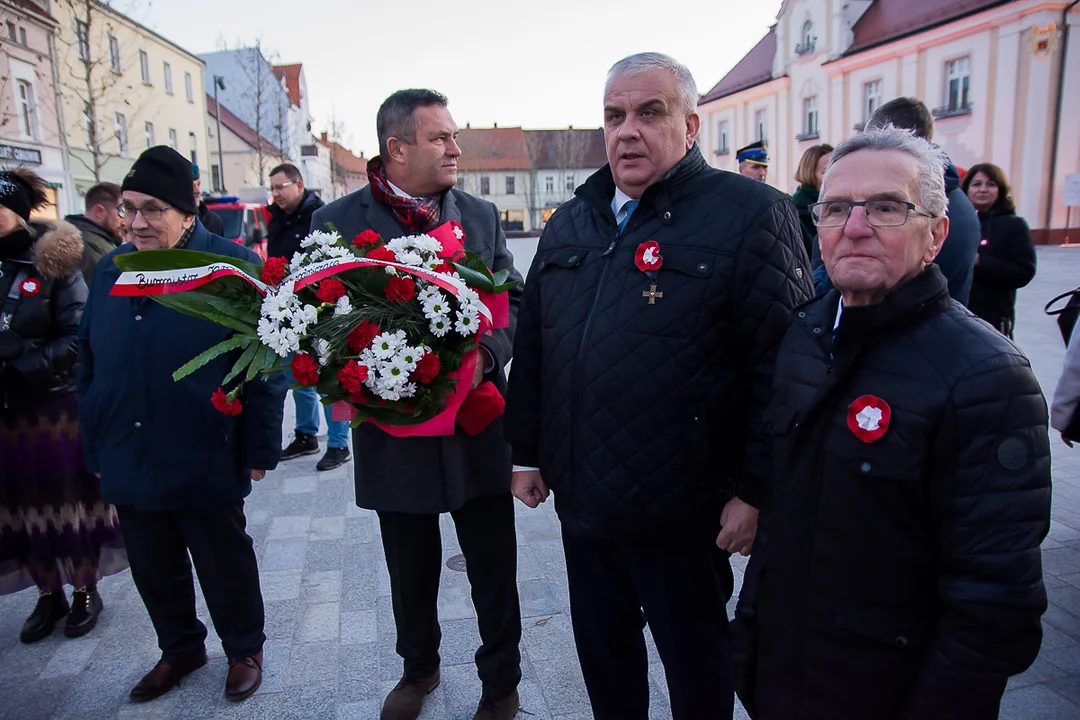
(417, 215)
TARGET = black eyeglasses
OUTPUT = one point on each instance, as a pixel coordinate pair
(879, 213)
(151, 213)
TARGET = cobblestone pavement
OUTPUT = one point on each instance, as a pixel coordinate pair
(330, 648)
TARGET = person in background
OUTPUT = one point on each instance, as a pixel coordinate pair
(1067, 396)
(290, 222)
(811, 170)
(1006, 259)
(210, 219)
(754, 160)
(957, 256)
(54, 528)
(99, 225)
(176, 467)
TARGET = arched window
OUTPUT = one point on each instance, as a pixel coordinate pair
(806, 40)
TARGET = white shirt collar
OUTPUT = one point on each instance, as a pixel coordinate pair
(839, 312)
(619, 202)
(398, 191)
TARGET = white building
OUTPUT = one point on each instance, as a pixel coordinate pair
(292, 76)
(992, 71)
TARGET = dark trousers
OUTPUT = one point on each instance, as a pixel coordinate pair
(413, 546)
(158, 544)
(675, 582)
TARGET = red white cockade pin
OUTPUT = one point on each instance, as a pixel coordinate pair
(868, 417)
(649, 260)
(29, 287)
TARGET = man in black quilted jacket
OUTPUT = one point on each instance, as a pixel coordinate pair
(642, 364)
(898, 573)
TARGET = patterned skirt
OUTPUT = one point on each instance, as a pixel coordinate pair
(54, 529)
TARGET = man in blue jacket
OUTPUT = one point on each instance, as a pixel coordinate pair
(176, 469)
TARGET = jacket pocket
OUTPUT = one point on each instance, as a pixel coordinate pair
(672, 306)
(561, 278)
(898, 627)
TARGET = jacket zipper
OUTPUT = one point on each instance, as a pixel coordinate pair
(578, 372)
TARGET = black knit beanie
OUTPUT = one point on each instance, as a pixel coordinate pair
(15, 194)
(163, 173)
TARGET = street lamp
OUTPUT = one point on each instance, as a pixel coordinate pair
(219, 82)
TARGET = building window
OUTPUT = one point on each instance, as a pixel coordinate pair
(27, 109)
(168, 78)
(807, 41)
(549, 184)
(12, 33)
(150, 135)
(957, 88)
(871, 98)
(215, 178)
(513, 219)
(114, 54)
(88, 125)
(761, 123)
(144, 67)
(461, 183)
(194, 157)
(82, 39)
(570, 183)
(510, 184)
(122, 133)
(172, 138)
(22, 36)
(485, 185)
(722, 146)
(187, 87)
(810, 119)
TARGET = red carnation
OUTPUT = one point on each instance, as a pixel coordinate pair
(305, 369)
(352, 376)
(445, 268)
(330, 290)
(360, 338)
(223, 405)
(368, 237)
(381, 253)
(274, 270)
(400, 290)
(427, 368)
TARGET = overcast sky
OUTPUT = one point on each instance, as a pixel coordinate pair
(539, 64)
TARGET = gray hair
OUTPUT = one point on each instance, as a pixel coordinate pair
(930, 158)
(397, 115)
(644, 62)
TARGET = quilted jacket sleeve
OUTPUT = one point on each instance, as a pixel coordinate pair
(500, 344)
(523, 396)
(57, 355)
(1016, 268)
(772, 276)
(991, 504)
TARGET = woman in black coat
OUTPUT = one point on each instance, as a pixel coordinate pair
(54, 528)
(1006, 259)
(811, 171)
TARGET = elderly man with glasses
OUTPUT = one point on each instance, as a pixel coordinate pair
(176, 469)
(897, 573)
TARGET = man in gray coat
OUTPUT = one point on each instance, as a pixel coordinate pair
(410, 481)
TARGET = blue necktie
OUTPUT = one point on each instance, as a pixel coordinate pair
(629, 207)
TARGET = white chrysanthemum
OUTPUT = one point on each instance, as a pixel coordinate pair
(307, 315)
(322, 350)
(429, 292)
(435, 305)
(428, 244)
(410, 355)
(396, 372)
(410, 257)
(439, 325)
(297, 260)
(386, 345)
(320, 238)
(468, 296)
(408, 390)
(279, 305)
(467, 324)
(343, 306)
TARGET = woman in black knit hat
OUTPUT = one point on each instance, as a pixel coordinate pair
(54, 528)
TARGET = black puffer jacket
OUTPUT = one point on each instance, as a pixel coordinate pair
(641, 416)
(39, 350)
(97, 243)
(897, 577)
(286, 231)
(1007, 261)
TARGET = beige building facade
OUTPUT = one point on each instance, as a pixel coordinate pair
(143, 91)
(1002, 87)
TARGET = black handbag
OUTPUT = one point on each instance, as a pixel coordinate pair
(1067, 314)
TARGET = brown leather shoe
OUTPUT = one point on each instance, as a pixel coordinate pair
(406, 700)
(165, 676)
(244, 678)
(497, 708)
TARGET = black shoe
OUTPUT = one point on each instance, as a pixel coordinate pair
(48, 611)
(334, 457)
(302, 444)
(85, 608)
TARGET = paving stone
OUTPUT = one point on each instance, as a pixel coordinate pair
(290, 527)
(71, 657)
(318, 622)
(324, 555)
(280, 584)
(321, 587)
(1037, 702)
(312, 663)
(333, 528)
(284, 554)
(358, 626)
